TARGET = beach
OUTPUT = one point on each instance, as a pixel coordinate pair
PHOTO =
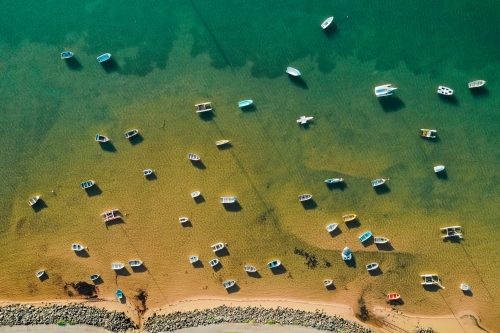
(53, 108)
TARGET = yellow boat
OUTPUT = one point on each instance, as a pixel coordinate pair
(349, 217)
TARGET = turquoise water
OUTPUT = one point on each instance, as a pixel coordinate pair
(167, 56)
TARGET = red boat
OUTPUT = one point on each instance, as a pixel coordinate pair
(393, 297)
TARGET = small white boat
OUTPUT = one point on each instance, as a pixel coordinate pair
(229, 284)
(464, 287)
(380, 240)
(110, 215)
(365, 236)
(349, 217)
(193, 259)
(117, 266)
(244, 103)
(442, 90)
(40, 273)
(195, 194)
(378, 182)
(183, 219)
(131, 133)
(331, 227)
(221, 142)
(327, 283)
(292, 71)
(214, 262)
(326, 23)
(372, 266)
(87, 184)
(346, 253)
(428, 133)
(274, 264)
(101, 138)
(476, 84)
(203, 107)
(135, 263)
(453, 231)
(305, 197)
(147, 172)
(384, 90)
(193, 157)
(33, 200)
(250, 269)
(431, 279)
(225, 200)
(67, 54)
(76, 247)
(303, 120)
(104, 57)
(217, 247)
(438, 168)
(334, 180)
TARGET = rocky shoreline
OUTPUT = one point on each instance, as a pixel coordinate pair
(224, 314)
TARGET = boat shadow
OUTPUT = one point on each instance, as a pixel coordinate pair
(376, 272)
(442, 175)
(396, 302)
(198, 264)
(139, 269)
(123, 300)
(307, 125)
(198, 164)
(187, 224)
(335, 232)
(279, 270)
(217, 267)
(98, 281)
(384, 246)
(199, 199)
(207, 115)
(249, 108)
(118, 220)
(39, 205)
(391, 103)
(331, 287)
(351, 263)
(431, 287)
(225, 146)
(151, 177)
(480, 92)
(73, 64)
(331, 30)
(122, 272)
(309, 204)
(255, 275)
(108, 146)
(353, 224)
(136, 139)
(232, 207)
(382, 189)
(452, 100)
(336, 186)
(93, 191)
(44, 277)
(110, 66)
(298, 81)
(222, 252)
(233, 289)
(368, 242)
(468, 293)
(454, 240)
(82, 254)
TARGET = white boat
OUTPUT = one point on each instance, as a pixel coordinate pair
(464, 287)
(193, 259)
(378, 182)
(372, 266)
(431, 279)
(292, 71)
(303, 120)
(135, 263)
(229, 284)
(305, 197)
(40, 273)
(442, 90)
(438, 168)
(183, 219)
(244, 103)
(131, 133)
(225, 200)
(87, 184)
(331, 227)
(380, 240)
(195, 194)
(193, 157)
(428, 133)
(214, 262)
(384, 90)
(476, 84)
(346, 253)
(217, 247)
(250, 269)
(110, 215)
(104, 57)
(33, 200)
(274, 264)
(101, 138)
(76, 247)
(334, 180)
(147, 172)
(453, 231)
(326, 23)
(117, 265)
(221, 142)
(203, 107)
(67, 54)
(327, 283)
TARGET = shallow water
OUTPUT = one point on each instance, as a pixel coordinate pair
(168, 56)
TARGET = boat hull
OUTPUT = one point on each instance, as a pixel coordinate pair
(244, 103)
(104, 57)
(293, 72)
(326, 23)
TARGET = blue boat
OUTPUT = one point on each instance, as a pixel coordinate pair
(244, 103)
(119, 294)
(104, 57)
(365, 236)
(273, 264)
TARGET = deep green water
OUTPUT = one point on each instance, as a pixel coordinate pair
(169, 55)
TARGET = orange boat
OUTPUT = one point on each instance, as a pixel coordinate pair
(393, 297)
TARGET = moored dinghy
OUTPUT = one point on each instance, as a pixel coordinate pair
(438, 168)
(76, 247)
(378, 182)
(250, 269)
(431, 279)
(428, 133)
(94, 277)
(183, 219)
(365, 236)
(221, 142)
(380, 240)
(217, 247)
(67, 54)
(226, 200)
(393, 297)
(117, 266)
(88, 184)
(229, 284)
(305, 197)
(214, 262)
(293, 71)
(326, 23)
(303, 120)
(104, 57)
(372, 266)
(147, 172)
(453, 231)
(349, 217)
(332, 227)
(40, 273)
(135, 263)
(346, 253)
(334, 180)
(195, 194)
(193, 157)
(203, 107)
(476, 84)
(442, 90)
(327, 283)
(244, 103)
(464, 287)
(131, 133)
(119, 294)
(110, 215)
(274, 264)
(193, 259)
(101, 138)
(384, 90)
(33, 200)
